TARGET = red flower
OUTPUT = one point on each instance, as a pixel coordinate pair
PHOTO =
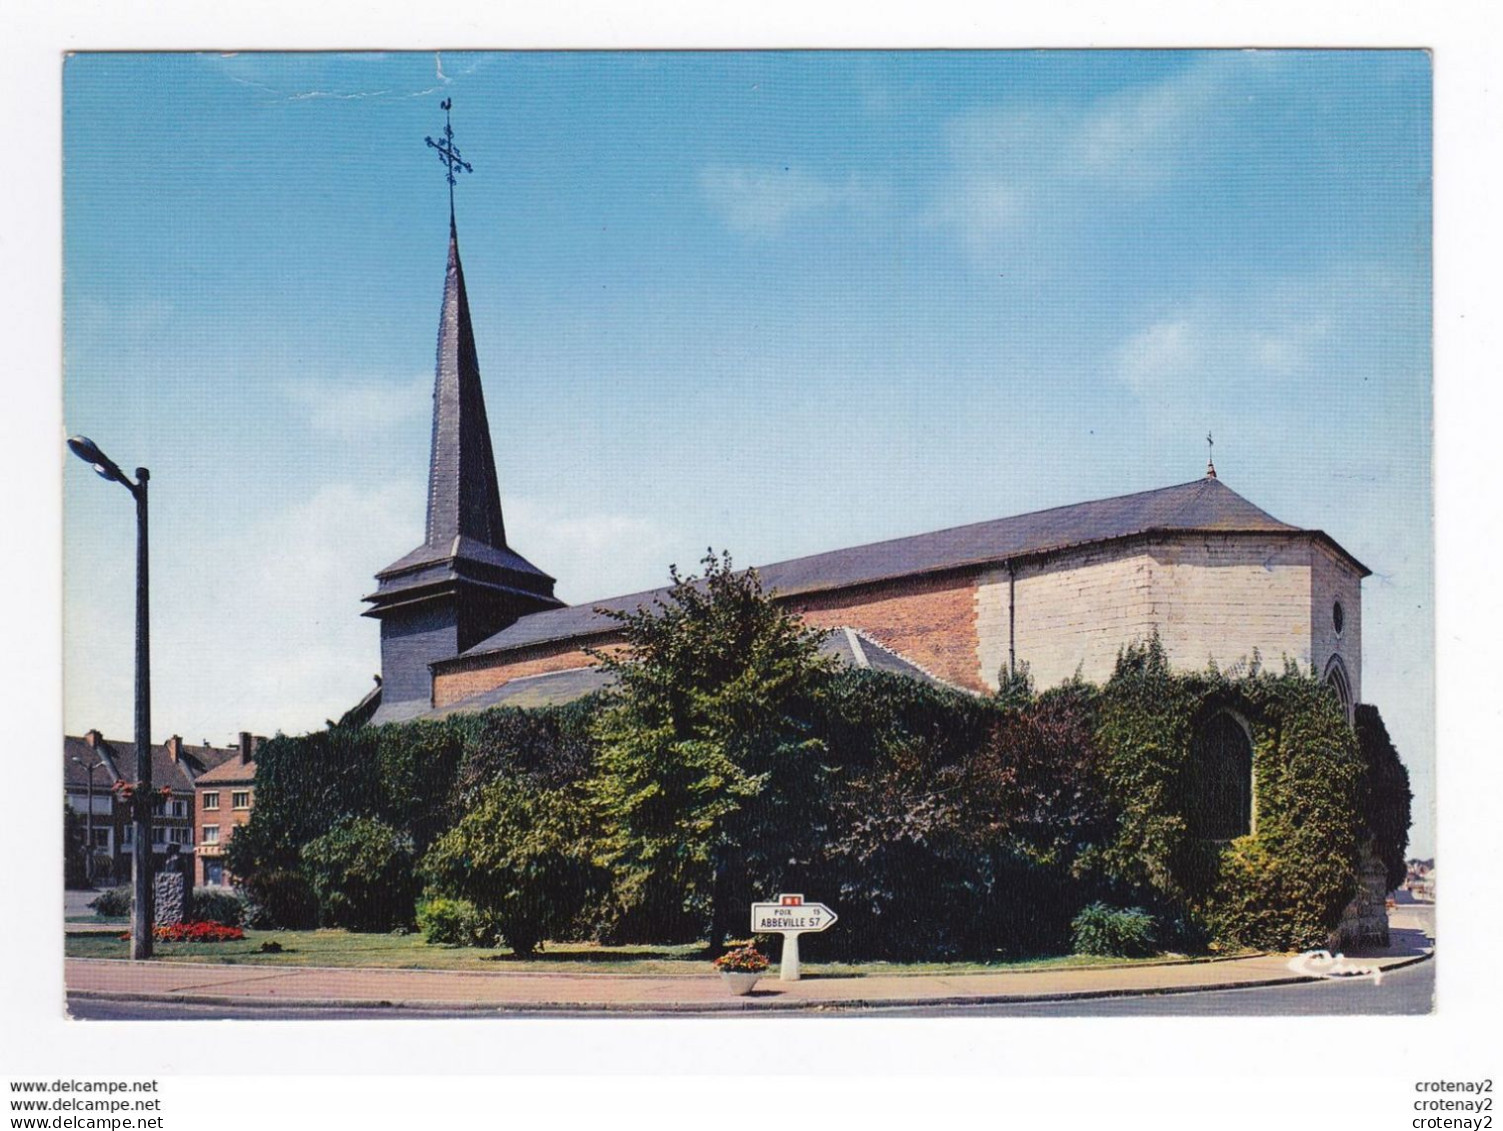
(206, 931)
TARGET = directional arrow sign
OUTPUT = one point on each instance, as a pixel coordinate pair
(767, 918)
(790, 917)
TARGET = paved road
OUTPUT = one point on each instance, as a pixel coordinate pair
(1406, 991)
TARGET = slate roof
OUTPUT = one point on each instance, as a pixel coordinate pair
(119, 761)
(1205, 505)
(848, 646)
(464, 523)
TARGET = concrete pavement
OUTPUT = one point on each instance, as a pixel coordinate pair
(345, 987)
(549, 992)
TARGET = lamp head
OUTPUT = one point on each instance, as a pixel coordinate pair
(104, 467)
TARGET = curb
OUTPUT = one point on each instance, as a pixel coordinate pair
(737, 1005)
(823, 975)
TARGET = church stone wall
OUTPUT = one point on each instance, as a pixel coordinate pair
(930, 620)
(1210, 597)
(1331, 581)
(1073, 612)
(1222, 597)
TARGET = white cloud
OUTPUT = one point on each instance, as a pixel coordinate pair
(592, 555)
(1034, 171)
(1284, 330)
(352, 410)
(1166, 351)
(764, 201)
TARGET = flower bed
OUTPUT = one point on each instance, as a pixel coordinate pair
(196, 932)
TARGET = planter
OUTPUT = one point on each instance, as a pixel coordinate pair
(740, 982)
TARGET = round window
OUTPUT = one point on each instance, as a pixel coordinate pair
(1338, 617)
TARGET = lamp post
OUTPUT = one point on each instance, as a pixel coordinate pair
(89, 822)
(141, 894)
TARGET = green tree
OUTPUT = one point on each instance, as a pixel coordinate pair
(523, 857)
(708, 775)
(75, 851)
(1383, 795)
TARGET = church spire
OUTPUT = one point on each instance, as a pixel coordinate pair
(464, 583)
(464, 500)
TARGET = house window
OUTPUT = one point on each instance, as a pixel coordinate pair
(128, 836)
(158, 807)
(158, 834)
(102, 839)
(180, 836)
(211, 800)
(1338, 617)
(211, 834)
(1220, 794)
(179, 808)
(240, 799)
(214, 872)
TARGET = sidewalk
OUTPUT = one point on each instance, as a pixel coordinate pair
(325, 986)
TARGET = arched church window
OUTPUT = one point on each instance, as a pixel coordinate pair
(1220, 802)
(1340, 685)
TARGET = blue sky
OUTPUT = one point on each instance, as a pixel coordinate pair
(775, 303)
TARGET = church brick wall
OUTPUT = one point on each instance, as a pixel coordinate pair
(1331, 581)
(487, 673)
(1073, 612)
(930, 620)
(1209, 596)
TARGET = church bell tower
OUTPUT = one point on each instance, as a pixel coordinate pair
(463, 583)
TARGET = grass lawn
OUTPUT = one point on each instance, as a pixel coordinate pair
(410, 952)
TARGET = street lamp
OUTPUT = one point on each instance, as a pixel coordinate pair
(89, 822)
(141, 895)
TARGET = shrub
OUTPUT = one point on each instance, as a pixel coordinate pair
(1104, 930)
(281, 898)
(454, 922)
(522, 858)
(219, 906)
(957, 826)
(113, 903)
(361, 873)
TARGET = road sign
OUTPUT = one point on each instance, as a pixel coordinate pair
(790, 913)
(790, 917)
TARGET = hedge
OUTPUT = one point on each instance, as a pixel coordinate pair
(937, 823)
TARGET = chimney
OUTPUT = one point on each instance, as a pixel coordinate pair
(93, 738)
(247, 744)
(175, 747)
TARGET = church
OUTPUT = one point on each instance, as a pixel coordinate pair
(468, 623)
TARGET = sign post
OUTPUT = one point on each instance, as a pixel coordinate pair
(790, 917)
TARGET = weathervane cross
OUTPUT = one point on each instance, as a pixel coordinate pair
(448, 154)
(1210, 457)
